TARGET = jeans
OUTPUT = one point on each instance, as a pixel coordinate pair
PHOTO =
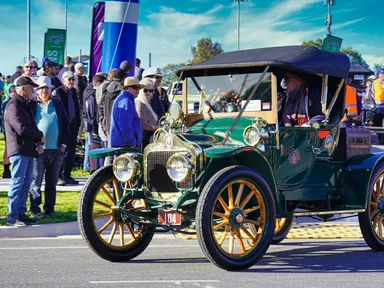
(87, 146)
(49, 163)
(22, 167)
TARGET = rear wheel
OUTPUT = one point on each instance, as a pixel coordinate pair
(282, 228)
(235, 218)
(107, 236)
(372, 220)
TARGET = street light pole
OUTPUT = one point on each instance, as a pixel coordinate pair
(328, 17)
(238, 21)
(29, 29)
(66, 26)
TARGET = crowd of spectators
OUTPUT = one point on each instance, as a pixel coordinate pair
(44, 111)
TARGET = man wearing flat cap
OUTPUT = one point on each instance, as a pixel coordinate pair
(67, 94)
(125, 122)
(159, 100)
(24, 142)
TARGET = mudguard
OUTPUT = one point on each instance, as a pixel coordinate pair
(104, 152)
(221, 157)
(357, 178)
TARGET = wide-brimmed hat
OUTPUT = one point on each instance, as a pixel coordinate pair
(44, 81)
(152, 71)
(132, 81)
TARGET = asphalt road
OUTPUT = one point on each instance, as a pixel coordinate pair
(171, 262)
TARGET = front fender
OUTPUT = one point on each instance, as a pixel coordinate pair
(221, 157)
(357, 178)
(105, 152)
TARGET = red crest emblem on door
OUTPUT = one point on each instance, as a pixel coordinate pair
(294, 157)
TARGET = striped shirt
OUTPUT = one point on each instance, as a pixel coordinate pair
(71, 107)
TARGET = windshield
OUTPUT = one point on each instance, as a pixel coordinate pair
(228, 93)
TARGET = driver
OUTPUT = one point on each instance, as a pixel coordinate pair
(296, 109)
(301, 105)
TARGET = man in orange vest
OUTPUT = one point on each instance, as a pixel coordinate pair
(351, 105)
(377, 91)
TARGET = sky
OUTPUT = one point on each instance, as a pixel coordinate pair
(168, 28)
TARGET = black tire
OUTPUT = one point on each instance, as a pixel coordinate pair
(282, 232)
(371, 221)
(92, 235)
(207, 208)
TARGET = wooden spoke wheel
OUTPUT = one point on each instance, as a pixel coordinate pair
(110, 238)
(282, 228)
(235, 218)
(372, 220)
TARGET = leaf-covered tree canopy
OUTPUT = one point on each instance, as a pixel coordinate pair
(169, 72)
(204, 50)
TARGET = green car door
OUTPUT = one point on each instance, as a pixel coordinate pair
(294, 161)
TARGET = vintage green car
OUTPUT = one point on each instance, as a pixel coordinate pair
(232, 171)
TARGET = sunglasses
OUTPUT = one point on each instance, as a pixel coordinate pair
(134, 87)
(157, 77)
(71, 79)
(148, 90)
(31, 67)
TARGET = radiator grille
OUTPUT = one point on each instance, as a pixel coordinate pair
(157, 176)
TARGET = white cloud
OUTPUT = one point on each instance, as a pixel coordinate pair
(373, 59)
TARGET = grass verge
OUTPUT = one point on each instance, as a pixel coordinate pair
(66, 208)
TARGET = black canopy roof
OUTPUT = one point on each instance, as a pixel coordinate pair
(302, 59)
(359, 69)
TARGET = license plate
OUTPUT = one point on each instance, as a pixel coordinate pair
(167, 217)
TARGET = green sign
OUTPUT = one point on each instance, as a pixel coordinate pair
(332, 43)
(54, 45)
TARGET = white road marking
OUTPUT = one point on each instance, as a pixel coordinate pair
(155, 281)
(86, 247)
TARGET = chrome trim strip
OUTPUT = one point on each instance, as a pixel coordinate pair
(328, 212)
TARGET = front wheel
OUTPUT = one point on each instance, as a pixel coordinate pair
(372, 220)
(107, 236)
(235, 218)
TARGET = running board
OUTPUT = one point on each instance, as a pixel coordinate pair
(327, 212)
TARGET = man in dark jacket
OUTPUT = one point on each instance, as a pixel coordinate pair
(67, 94)
(105, 108)
(22, 145)
(51, 118)
(90, 117)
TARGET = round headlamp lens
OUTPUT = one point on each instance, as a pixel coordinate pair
(252, 136)
(124, 168)
(179, 167)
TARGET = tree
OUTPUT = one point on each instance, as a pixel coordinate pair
(318, 43)
(204, 50)
(169, 72)
(377, 67)
(353, 55)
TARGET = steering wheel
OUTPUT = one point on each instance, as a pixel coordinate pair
(315, 120)
(224, 101)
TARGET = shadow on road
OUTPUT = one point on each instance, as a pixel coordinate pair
(171, 261)
(322, 257)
